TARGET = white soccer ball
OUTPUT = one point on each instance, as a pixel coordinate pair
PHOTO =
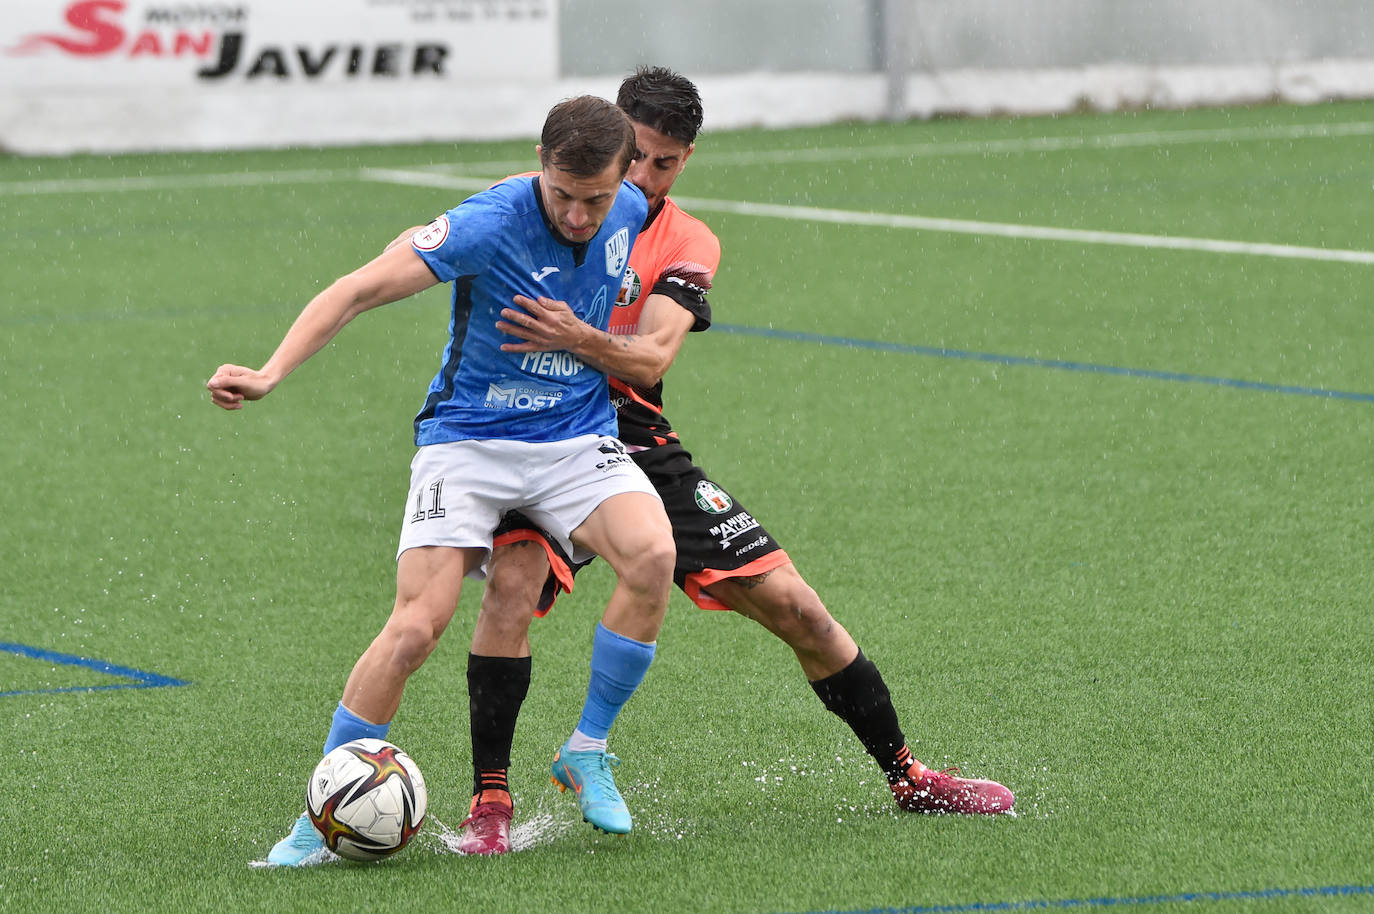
(367, 799)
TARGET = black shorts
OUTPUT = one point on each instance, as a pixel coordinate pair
(716, 537)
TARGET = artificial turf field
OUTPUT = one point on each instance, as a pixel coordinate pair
(1098, 505)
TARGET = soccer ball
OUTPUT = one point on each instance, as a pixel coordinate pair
(367, 799)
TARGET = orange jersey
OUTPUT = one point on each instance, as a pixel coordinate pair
(675, 255)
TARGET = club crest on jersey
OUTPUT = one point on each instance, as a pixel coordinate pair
(431, 236)
(711, 498)
(630, 288)
(618, 253)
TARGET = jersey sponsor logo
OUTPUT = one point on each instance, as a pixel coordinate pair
(751, 546)
(733, 528)
(521, 396)
(560, 364)
(618, 253)
(630, 288)
(431, 236)
(711, 498)
(547, 271)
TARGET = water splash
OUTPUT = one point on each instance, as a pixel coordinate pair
(527, 832)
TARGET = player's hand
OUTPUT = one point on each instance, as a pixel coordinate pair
(232, 384)
(546, 325)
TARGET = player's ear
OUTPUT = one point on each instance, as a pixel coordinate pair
(691, 147)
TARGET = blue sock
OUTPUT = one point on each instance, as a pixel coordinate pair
(348, 726)
(618, 667)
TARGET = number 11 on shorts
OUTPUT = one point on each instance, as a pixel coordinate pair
(436, 490)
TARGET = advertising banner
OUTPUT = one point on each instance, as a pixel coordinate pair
(133, 74)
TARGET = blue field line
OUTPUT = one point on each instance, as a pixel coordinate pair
(995, 358)
(141, 678)
(1327, 891)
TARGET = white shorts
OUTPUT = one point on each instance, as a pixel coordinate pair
(460, 490)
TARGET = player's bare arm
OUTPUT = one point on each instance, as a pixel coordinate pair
(393, 275)
(641, 358)
(402, 238)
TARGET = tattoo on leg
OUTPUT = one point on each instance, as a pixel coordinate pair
(751, 581)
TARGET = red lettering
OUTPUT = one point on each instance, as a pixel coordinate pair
(147, 43)
(188, 43)
(102, 37)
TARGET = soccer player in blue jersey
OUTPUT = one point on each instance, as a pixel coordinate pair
(726, 560)
(502, 430)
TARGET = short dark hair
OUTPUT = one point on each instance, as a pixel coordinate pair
(663, 100)
(584, 135)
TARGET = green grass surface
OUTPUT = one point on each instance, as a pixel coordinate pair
(1144, 604)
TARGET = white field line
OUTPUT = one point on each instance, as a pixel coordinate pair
(1044, 144)
(174, 182)
(419, 177)
(1033, 232)
(430, 178)
(423, 178)
(958, 226)
(498, 169)
(1016, 146)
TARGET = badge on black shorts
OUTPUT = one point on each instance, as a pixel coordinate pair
(711, 498)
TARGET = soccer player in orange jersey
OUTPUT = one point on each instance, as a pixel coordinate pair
(725, 558)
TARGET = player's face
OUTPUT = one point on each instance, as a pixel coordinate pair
(658, 162)
(576, 205)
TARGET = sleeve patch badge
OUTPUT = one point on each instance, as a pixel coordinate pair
(431, 236)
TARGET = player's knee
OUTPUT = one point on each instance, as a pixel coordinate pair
(798, 615)
(650, 567)
(515, 579)
(513, 587)
(411, 639)
(506, 612)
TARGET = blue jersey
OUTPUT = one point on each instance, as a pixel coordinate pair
(493, 246)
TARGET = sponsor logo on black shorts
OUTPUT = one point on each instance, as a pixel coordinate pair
(754, 545)
(733, 528)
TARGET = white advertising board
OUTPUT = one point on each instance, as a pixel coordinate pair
(121, 74)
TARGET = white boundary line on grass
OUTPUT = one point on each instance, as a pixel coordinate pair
(958, 226)
(174, 182)
(1046, 144)
(1032, 232)
(763, 157)
(429, 178)
(1010, 146)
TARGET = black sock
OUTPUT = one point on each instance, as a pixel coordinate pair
(859, 697)
(490, 786)
(496, 689)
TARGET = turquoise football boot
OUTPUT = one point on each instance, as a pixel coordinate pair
(303, 847)
(588, 774)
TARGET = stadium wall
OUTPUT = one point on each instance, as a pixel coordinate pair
(126, 75)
